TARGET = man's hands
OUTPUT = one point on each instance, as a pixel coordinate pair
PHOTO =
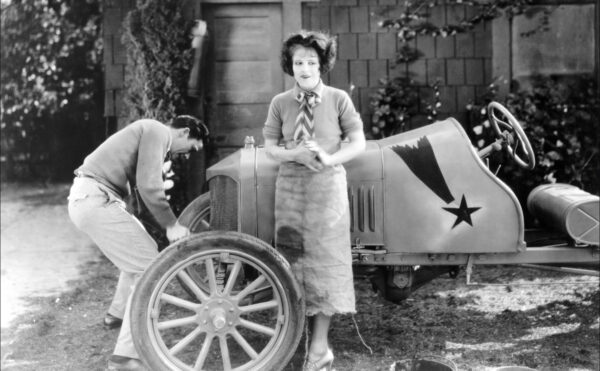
(177, 232)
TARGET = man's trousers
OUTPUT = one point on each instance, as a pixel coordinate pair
(102, 215)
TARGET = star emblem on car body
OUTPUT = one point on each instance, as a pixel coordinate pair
(463, 212)
(421, 160)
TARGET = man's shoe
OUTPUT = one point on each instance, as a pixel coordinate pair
(120, 363)
(112, 322)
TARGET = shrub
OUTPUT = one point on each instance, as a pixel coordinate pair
(561, 118)
(157, 38)
(159, 58)
(51, 86)
(397, 102)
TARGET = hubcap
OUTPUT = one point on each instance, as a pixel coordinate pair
(218, 316)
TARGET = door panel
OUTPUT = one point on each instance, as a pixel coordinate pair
(235, 116)
(243, 82)
(246, 42)
(244, 71)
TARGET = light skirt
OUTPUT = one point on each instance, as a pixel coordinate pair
(313, 233)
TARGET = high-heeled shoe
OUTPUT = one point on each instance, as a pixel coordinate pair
(324, 363)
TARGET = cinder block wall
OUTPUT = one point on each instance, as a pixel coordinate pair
(367, 53)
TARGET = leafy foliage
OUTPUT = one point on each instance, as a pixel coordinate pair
(393, 105)
(396, 102)
(399, 99)
(158, 59)
(414, 20)
(408, 54)
(561, 118)
(51, 85)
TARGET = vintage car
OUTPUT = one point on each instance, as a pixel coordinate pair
(422, 203)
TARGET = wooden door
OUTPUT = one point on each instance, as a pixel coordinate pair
(243, 70)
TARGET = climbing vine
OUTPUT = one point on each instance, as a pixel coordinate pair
(415, 20)
(399, 99)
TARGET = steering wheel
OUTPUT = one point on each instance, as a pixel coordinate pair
(511, 142)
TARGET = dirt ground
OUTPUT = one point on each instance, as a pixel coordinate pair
(41, 250)
(545, 327)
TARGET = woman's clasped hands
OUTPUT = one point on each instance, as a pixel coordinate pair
(321, 154)
(311, 155)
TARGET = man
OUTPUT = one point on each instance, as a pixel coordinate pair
(132, 157)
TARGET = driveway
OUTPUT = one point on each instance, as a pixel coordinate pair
(41, 250)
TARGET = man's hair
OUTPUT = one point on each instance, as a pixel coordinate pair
(197, 128)
(322, 43)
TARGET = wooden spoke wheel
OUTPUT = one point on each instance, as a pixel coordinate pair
(217, 328)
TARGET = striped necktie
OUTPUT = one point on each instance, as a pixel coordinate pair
(304, 128)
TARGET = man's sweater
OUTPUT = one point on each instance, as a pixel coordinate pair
(134, 156)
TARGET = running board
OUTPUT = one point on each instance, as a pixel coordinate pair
(532, 255)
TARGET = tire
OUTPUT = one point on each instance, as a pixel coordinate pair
(217, 329)
(196, 215)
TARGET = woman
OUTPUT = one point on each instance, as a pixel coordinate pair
(311, 202)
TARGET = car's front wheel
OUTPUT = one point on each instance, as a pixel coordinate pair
(225, 325)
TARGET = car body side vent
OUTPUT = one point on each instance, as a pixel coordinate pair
(362, 200)
(371, 208)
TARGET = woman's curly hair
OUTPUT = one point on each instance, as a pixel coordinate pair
(322, 43)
